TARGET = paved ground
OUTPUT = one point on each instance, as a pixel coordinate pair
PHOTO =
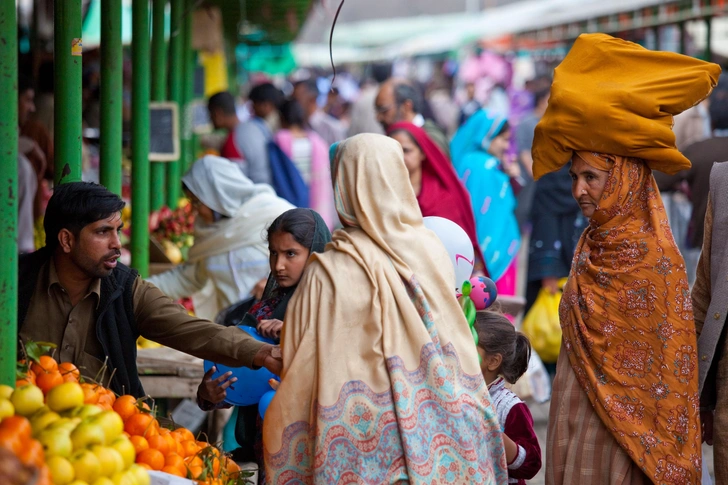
(540, 417)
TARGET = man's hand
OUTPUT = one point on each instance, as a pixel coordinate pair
(259, 288)
(269, 356)
(213, 390)
(706, 419)
(270, 328)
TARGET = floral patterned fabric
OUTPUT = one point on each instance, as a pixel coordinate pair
(628, 330)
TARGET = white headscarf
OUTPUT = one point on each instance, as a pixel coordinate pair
(248, 208)
(221, 186)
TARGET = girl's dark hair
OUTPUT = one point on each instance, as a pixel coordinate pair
(409, 135)
(496, 335)
(299, 223)
(503, 129)
(75, 205)
(292, 113)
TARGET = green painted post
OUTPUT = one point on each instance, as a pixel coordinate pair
(9, 189)
(176, 58)
(709, 39)
(188, 93)
(140, 136)
(111, 96)
(67, 59)
(159, 93)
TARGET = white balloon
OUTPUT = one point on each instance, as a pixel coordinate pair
(458, 246)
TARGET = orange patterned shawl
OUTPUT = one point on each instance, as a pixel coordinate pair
(628, 329)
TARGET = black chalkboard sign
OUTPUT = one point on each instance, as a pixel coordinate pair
(163, 132)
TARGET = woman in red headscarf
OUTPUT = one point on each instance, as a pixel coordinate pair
(437, 187)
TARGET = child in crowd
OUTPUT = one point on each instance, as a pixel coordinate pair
(292, 238)
(505, 354)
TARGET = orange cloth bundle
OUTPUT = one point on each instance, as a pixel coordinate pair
(616, 97)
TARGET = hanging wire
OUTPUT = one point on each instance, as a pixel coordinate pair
(331, 43)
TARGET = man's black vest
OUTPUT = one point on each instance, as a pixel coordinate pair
(115, 326)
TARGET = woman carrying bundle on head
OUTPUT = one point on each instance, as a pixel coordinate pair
(625, 404)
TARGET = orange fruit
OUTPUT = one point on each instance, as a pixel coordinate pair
(189, 448)
(10, 441)
(184, 434)
(159, 443)
(153, 458)
(68, 370)
(32, 454)
(46, 363)
(90, 393)
(140, 443)
(145, 466)
(164, 431)
(18, 425)
(48, 380)
(125, 406)
(230, 466)
(138, 424)
(173, 470)
(195, 471)
(174, 460)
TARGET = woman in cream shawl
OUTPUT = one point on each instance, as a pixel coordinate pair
(230, 253)
(381, 382)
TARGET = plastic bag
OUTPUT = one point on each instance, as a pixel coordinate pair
(542, 327)
(535, 384)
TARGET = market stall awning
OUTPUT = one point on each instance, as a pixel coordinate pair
(391, 38)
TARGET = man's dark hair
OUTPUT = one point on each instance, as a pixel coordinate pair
(310, 85)
(222, 101)
(25, 83)
(292, 113)
(719, 104)
(381, 72)
(406, 92)
(75, 205)
(265, 93)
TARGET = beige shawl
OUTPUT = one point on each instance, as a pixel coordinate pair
(381, 381)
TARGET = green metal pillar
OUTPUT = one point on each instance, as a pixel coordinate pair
(112, 57)
(159, 93)
(140, 136)
(176, 62)
(9, 189)
(708, 39)
(683, 38)
(67, 59)
(189, 88)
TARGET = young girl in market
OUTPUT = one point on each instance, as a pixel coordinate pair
(292, 238)
(505, 354)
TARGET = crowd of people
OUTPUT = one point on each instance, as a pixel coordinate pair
(310, 219)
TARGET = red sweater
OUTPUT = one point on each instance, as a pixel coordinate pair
(517, 423)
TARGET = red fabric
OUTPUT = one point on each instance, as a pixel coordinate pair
(519, 428)
(442, 194)
(229, 150)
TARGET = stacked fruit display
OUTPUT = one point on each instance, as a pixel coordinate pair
(72, 427)
(67, 432)
(174, 229)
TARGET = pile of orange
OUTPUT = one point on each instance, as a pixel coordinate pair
(175, 452)
(15, 436)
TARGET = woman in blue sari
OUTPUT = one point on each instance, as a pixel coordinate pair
(477, 153)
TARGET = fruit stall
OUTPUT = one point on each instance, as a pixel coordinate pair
(57, 427)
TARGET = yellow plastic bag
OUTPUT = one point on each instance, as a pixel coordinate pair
(541, 325)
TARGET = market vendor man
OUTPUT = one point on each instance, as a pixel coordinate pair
(76, 294)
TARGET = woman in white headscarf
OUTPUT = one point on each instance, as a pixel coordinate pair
(230, 253)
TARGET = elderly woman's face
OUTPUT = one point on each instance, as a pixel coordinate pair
(587, 185)
(200, 209)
